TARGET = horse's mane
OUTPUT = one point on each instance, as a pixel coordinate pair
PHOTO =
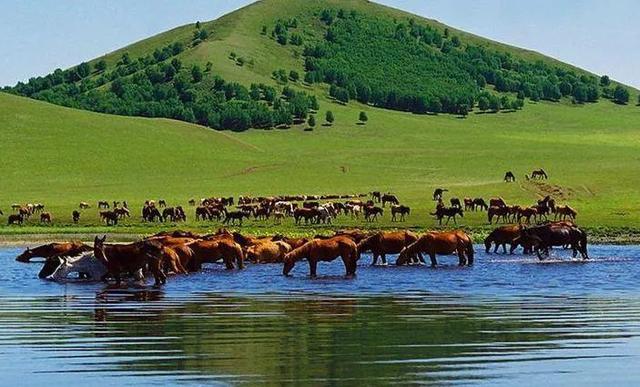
(300, 253)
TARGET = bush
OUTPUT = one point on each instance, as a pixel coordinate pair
(363, 117)
(329, 117)
(621, 95)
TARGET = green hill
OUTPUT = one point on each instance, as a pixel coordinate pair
(61, 156)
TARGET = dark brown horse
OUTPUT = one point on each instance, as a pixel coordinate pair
(68, 249)
(75, 215)
(449, 212)
(371, 213)
(401, 210)
(509, 177)
(325, 250)
(546, 236)
(498, 212)
(389, 198)
(15, 219)
(110, 217)
(502, 236)
(308, 214)
(130, 259)
(480, 203)
(440, 243)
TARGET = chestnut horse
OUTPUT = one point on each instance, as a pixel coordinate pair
(501, 236)
(325, 250)
(382, 243)
(211, 251)
(53, 250)
(268, 252)
(440, 243)
(129, 258)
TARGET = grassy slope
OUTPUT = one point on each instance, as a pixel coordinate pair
(60, 156)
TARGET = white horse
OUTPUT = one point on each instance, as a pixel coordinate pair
(86, 265)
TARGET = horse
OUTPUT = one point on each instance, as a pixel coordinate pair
(86, 265)
(437, 193)
(509, 177)
(202, 213)
(562, 212)
(371, 213)
(122, 212)
(150, 213)
(539, 174)
(129, 258)
(543, 237)
(468, 204)
(232, 216)
(15, 219)
(376, 196)
(440, 243)
(325, 250)
(162, 203)
(308, 214)
(389, 198)
(501, 236)
(278, 216)
(498, 212)
(399, 209)
(174, 214)
(192, 202)
(84, 205)
(110, 217)
(455, 202)
(268, 252)
(53, 250)
(75, 216)
(479, 202)
(45, 217)
(103, 204)
(382, 243)
(450, 212)
(497, 202)
(527, 213)
(212, 250)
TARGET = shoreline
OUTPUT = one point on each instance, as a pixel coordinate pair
(596, 235)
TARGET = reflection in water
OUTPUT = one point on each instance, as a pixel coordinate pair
(529, 324)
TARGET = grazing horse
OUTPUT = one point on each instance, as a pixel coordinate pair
(371, 213)
(562, 212)
(122, 212)
(480, 203)
(45, 217)
(468, 204)
(103, 204)
(325, 250)
(399, 209)
(174, 214)
(202, 213)
(232, 216)
(84, 205)
(129, 258)
(150, 213)
(449, 212)
(539, 174)
(509, 177)
(382, 243)
(308, 214)
(498, 212)
(455, 202)
(53, 250)
(440, 243)
(15, 219)
(437, 194)
(110, 217)
(75, 215)
(192, 202)
(543, 237)
(389, 198)
(162, 203)
(268, 252)
(502, 236)
(376, 196)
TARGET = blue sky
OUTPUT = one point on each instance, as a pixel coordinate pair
(40, 35)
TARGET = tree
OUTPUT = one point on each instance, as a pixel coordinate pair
(621, 95)
(494, 103)
(198, 24)
(84, 69)
(294, 76)
(363, 117)
(483, 103)
(196, 73)
(176, 63)
(101, 65)
(312, 121)
(329, 117)
(605, 80)
(313, 103)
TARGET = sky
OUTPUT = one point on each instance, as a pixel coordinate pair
(38, 36)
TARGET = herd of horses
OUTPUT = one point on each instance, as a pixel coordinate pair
(181, 252)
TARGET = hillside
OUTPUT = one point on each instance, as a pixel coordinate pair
(264, 66)
(60, 156)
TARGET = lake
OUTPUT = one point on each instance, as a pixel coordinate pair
(508, 320)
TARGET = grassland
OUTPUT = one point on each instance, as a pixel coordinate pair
(61, 156)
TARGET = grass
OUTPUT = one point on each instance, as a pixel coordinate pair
(61, 156)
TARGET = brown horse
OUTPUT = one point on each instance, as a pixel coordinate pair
(268, 252)
(539, 174)
(84, 205)
(527, 213)
(399, 209)
(110, 217)
(129, 258)
(68, 249)
(75, 215)
(15, 219)
(497, 202)
(371, 213)
(389, 198)
(325, 250)
(564, 212)
(480, 203)
(382, 243)
(293, 242)
(450, 212)
(440, 243)
(498, 212)
(213, 250)
(502, 236)
(45, 217)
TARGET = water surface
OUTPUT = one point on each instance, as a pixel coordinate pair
(509, 320)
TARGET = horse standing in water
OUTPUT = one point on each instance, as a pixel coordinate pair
(440, 243)
(325, 250)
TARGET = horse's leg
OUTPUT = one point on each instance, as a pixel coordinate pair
(228, 262)
(375, 258)
(313, 266)
(504, 248)
(462, 260)
(434, 262)
(384, 259)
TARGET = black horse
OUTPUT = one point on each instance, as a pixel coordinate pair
(509, 177)
(449, 212)
(542, 238)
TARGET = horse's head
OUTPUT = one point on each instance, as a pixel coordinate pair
(289, 263)
(98, 249)
(403, 258)
(25, 256)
